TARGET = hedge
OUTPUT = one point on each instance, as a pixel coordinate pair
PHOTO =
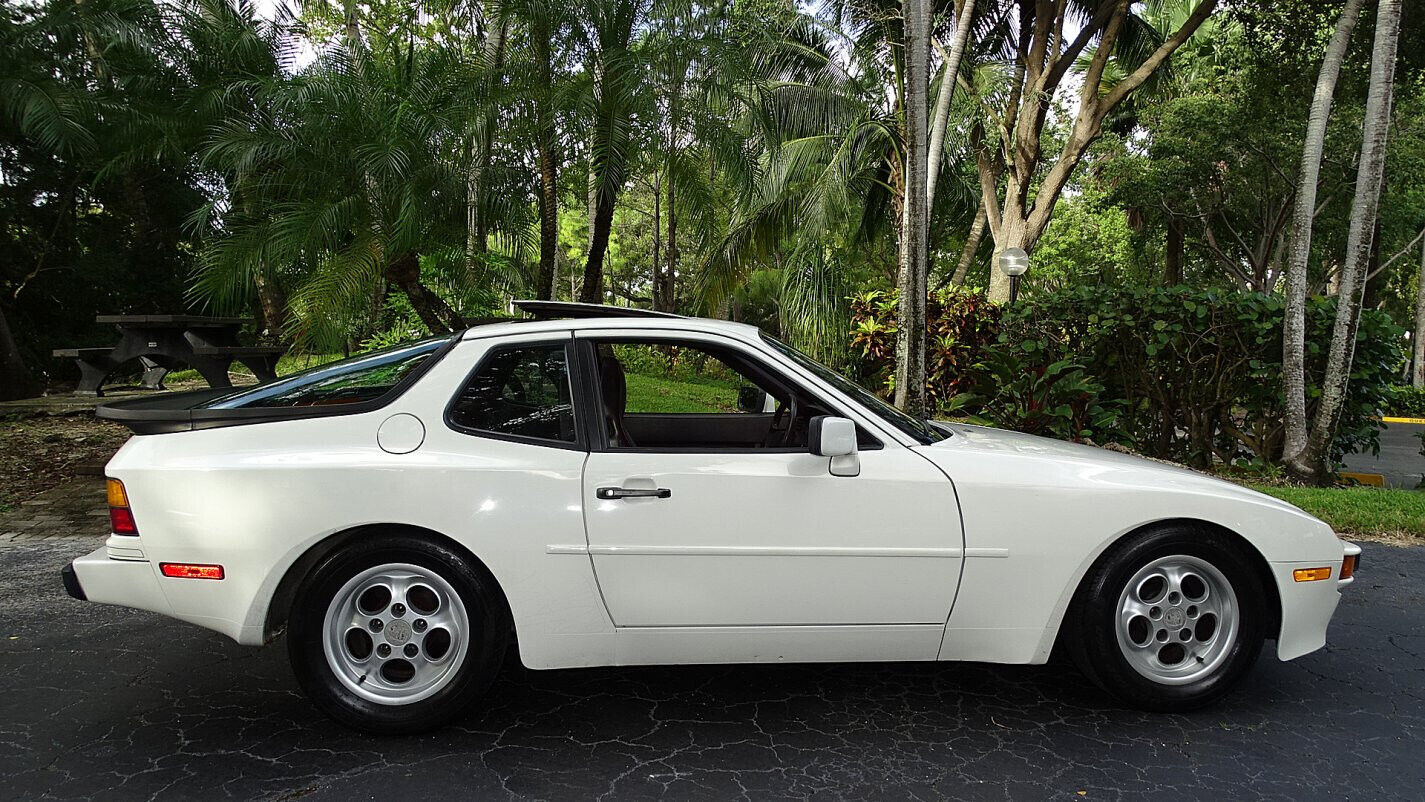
(1184, 374)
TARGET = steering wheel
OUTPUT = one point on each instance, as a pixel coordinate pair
(784, 408)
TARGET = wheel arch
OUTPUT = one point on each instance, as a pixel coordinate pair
(1253, 555)
(280, 606)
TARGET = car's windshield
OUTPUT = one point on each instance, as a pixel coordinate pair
(922, 431)
(364, 377)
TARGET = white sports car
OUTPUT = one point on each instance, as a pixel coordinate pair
(621, 487)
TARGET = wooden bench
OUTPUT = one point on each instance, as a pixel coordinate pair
(260, 359)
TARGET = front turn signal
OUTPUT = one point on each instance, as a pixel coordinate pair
(1348, 565)
(1311, 574)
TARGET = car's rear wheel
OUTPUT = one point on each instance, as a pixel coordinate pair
(397, 634)
(1169, 620)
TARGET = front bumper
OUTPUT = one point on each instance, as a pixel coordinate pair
(1307, 607)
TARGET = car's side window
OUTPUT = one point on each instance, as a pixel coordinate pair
(673, 379)
(692, 396)
(519, 391)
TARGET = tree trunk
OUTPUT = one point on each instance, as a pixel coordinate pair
(272, 304)
(942, 101)
(1417, 338)
(477, 228)
(972, 246)
(915, 219)
(667, 294)
(1310, 463)
(405, 273)
(1303, 216)
(548, 220)
(657, 260)
(600, 226)
(540, 38)
(16, 381)
(1173, 257)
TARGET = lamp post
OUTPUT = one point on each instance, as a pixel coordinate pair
(1013, 262)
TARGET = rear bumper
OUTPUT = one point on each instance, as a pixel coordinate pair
(71, 583)
(129, 583)
(101, 577)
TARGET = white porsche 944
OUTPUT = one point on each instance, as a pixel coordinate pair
(608, 487)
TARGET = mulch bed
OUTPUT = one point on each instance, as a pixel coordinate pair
(37, 453)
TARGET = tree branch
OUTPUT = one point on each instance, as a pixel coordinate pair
(1167, 48)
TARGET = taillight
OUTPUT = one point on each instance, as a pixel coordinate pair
(121, 518)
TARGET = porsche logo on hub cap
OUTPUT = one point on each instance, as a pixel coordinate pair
(1174, 618)
(398, 632)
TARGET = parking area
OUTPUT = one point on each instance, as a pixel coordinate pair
(1399, 462)
(100, 701)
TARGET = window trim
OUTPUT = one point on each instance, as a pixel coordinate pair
(587, 342)
(577, 407)
(175, 412)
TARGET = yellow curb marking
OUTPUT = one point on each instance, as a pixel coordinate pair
(1371, 479)
(1391, 419)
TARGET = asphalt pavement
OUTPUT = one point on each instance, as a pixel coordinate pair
(1399, 461)
(99, 701)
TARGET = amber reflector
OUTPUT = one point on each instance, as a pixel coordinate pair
(1311, 574)
(1348, 566)
(117, 496)
(190, 571)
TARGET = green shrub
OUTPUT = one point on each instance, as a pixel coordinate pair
(1406, 402)
(1198, 372)
(960, 327)
(1177, 373)
(1015, 389)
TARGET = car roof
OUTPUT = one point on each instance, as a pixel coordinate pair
(741, 331)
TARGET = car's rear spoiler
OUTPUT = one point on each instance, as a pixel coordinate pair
(181, 412)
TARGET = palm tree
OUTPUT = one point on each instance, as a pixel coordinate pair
(915, 224)
(352, 188)
(1303, 216)
(1310, 462)
(614, 66)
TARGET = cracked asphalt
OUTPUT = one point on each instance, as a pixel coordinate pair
(99, 701)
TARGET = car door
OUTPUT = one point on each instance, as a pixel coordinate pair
(724, 527)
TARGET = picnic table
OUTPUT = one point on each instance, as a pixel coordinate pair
(163, 343)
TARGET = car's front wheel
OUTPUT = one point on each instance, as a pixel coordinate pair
(396, 634)
(1171, 620)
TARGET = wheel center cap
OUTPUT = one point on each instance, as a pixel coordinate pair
(398, 632)
(1174, 618)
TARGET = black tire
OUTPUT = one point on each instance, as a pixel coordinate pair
(1090, 632)
(489, 625)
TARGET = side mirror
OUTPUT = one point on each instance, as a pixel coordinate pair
(836, 438)
(749, 398)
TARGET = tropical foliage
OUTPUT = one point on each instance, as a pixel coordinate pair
(356, 173)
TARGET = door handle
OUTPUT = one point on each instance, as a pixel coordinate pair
(608, 493)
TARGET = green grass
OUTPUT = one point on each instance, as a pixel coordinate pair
(1360, 511)
(662, 394)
